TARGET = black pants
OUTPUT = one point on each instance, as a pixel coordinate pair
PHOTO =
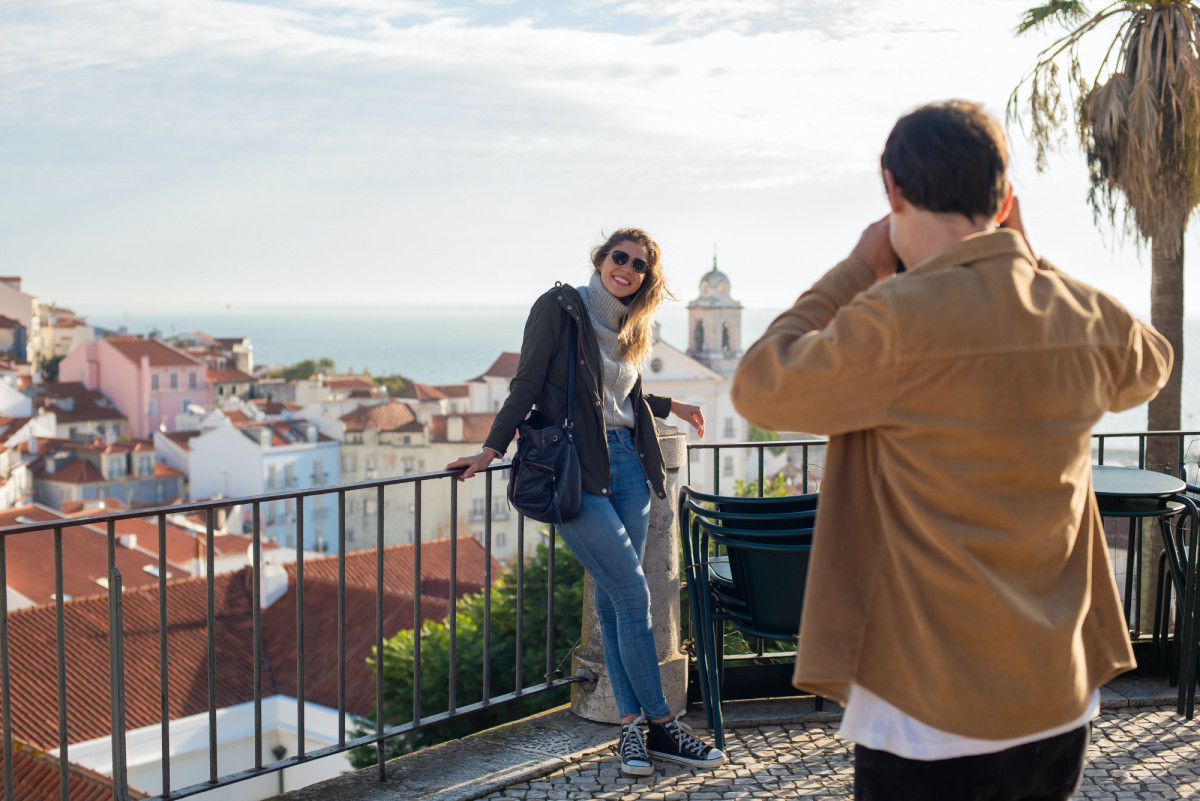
(1044, 770)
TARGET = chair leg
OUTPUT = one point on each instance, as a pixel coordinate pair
(717, 679)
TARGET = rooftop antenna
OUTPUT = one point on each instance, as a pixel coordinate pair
(714, 256)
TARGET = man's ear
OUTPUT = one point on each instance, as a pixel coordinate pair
(1005, 205)
(895, 196)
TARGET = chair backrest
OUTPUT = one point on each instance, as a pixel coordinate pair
(768, 542)
(769, 577)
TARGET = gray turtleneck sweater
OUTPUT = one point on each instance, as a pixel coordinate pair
(606, 312)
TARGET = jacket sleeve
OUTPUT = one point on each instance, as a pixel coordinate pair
(1147, 366)
(543, 332)
(825, 366)
(660, 405)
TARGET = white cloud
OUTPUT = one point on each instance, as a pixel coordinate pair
(261, 143)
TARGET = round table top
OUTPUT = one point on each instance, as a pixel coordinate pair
(1129, 482)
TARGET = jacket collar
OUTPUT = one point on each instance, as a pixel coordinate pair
(1002, 242)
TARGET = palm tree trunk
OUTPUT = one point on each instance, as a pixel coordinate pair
(1166, 314)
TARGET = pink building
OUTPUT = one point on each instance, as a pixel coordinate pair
(148, 381)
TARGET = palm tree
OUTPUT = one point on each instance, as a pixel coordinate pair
(1138, 120)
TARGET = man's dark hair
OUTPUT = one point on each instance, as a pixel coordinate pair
(949, 157)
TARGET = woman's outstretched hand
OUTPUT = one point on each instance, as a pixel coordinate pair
(689, 412)
(473, 464)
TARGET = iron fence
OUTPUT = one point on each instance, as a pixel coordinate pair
(421, 718)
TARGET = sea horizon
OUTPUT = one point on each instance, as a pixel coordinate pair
(443, 345)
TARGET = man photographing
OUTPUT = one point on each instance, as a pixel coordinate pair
(960, 602)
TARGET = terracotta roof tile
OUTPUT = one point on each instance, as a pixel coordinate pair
(11, 425)
(476, 426)
(505, 366)
(160, 353)
(30, 569)
(320, 639)
(420, 392)
(227, 376)
(393, 416)
(348, 382)
(398, 568)
(78, 471)
(454, 390)
(34, 680)
(8, 322)
(36, 776)
(182, 438)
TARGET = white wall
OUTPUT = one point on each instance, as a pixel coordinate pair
(224, 460)
(235, 750)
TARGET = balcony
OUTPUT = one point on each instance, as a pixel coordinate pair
(779, 748)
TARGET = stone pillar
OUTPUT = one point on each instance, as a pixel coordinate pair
(594, 701)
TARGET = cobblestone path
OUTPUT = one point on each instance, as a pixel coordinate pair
(1137, 754)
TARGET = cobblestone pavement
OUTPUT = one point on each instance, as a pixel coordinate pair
(1137, 754)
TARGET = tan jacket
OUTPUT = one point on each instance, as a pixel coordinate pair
(959, 567)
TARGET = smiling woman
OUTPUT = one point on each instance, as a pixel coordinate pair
(580, 369)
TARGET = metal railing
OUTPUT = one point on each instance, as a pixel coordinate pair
(1128, 448)
(806, 463)
(1186, 463)
(421, 718)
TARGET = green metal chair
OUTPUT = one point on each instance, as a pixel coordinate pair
(746, 565)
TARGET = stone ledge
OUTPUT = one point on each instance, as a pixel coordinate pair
(480, 764)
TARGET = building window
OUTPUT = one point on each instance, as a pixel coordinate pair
(349, 463)
(147, 466)
(500, 539)
(406, 439)
(174, 381)
(115, 468)
(220, 389)
(727, 466)
(153, 408)
(729, 427)
(154, 383)
(369, 506)
(478, 508)
(192, 380)
(160, 491)
(270, 476)
(289, 475)
(409, 464)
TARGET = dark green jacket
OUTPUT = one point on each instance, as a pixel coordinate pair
(541, 379)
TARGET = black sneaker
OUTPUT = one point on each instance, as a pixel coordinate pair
(674, 742)
(631, 748)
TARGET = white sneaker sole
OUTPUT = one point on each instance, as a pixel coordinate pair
(637, 770)
(712, 762)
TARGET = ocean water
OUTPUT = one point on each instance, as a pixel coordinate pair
(450, 346)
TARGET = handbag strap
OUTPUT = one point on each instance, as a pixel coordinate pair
(569, 423)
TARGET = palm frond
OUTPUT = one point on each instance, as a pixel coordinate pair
(1065, 12)
(1105, 108)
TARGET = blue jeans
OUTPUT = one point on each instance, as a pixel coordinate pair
(609, 539)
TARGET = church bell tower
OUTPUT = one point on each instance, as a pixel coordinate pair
(715, 324)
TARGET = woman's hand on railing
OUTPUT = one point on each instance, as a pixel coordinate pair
(473, 464)
(689, 412)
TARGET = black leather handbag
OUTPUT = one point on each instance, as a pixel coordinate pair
(545, 484)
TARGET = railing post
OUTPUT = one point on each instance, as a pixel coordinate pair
(116, 685)
(595, 701)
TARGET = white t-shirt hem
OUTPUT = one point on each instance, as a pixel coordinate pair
(872, 722)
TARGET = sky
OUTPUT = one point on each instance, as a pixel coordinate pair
(213, 154)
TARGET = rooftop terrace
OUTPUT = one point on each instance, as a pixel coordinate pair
(779, 748)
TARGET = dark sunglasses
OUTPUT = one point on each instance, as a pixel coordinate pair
(621, 258)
